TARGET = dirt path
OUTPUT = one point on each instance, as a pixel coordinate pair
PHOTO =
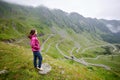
(49, 46)
(77, 50)
(61, 51)
(95, 57)
(114, 48)
(42, 46)
(71, 52)
(98, 57)
(20, 40)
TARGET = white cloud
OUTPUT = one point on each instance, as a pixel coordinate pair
(113, 29)
(108, 9)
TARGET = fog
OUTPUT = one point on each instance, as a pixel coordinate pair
(107, 9)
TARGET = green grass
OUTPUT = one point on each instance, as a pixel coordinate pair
(53, 52)
(12, 29)
(18, 61)
(17, 58)
(114, 62)
(66, 47)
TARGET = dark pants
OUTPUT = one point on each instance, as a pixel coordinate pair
(38, 56)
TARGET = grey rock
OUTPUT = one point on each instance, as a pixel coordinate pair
(3, 72)
(46, 68)
(60, 67)
(62, 72)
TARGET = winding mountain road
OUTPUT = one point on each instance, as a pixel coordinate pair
(42, 46)
(77, 50)
(72, 57)
(114, 48)
(82, 61)
(72, 51)
(97, 57)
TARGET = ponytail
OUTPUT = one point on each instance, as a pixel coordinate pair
(32, 32)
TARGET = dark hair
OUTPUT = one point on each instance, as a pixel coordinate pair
(32, 32)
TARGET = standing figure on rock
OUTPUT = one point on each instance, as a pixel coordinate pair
(35, 45)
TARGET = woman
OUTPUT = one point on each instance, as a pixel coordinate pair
(36, 49)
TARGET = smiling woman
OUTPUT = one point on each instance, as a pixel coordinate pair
(87, 8)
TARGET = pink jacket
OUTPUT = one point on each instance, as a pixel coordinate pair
(34, 43)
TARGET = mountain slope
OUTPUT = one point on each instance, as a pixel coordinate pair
(63, 37)
(18, 62)
(45, 17)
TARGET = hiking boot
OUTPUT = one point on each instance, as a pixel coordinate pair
(41, 69)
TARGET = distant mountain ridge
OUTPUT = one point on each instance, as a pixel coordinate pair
(113, 25)
(108, 30)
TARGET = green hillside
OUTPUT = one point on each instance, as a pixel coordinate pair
(68, 42)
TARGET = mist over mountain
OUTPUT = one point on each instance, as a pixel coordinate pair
(108, 30)
(73, 47)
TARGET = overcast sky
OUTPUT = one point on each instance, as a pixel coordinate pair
(107, 9)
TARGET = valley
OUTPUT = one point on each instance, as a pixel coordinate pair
(76, 47)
